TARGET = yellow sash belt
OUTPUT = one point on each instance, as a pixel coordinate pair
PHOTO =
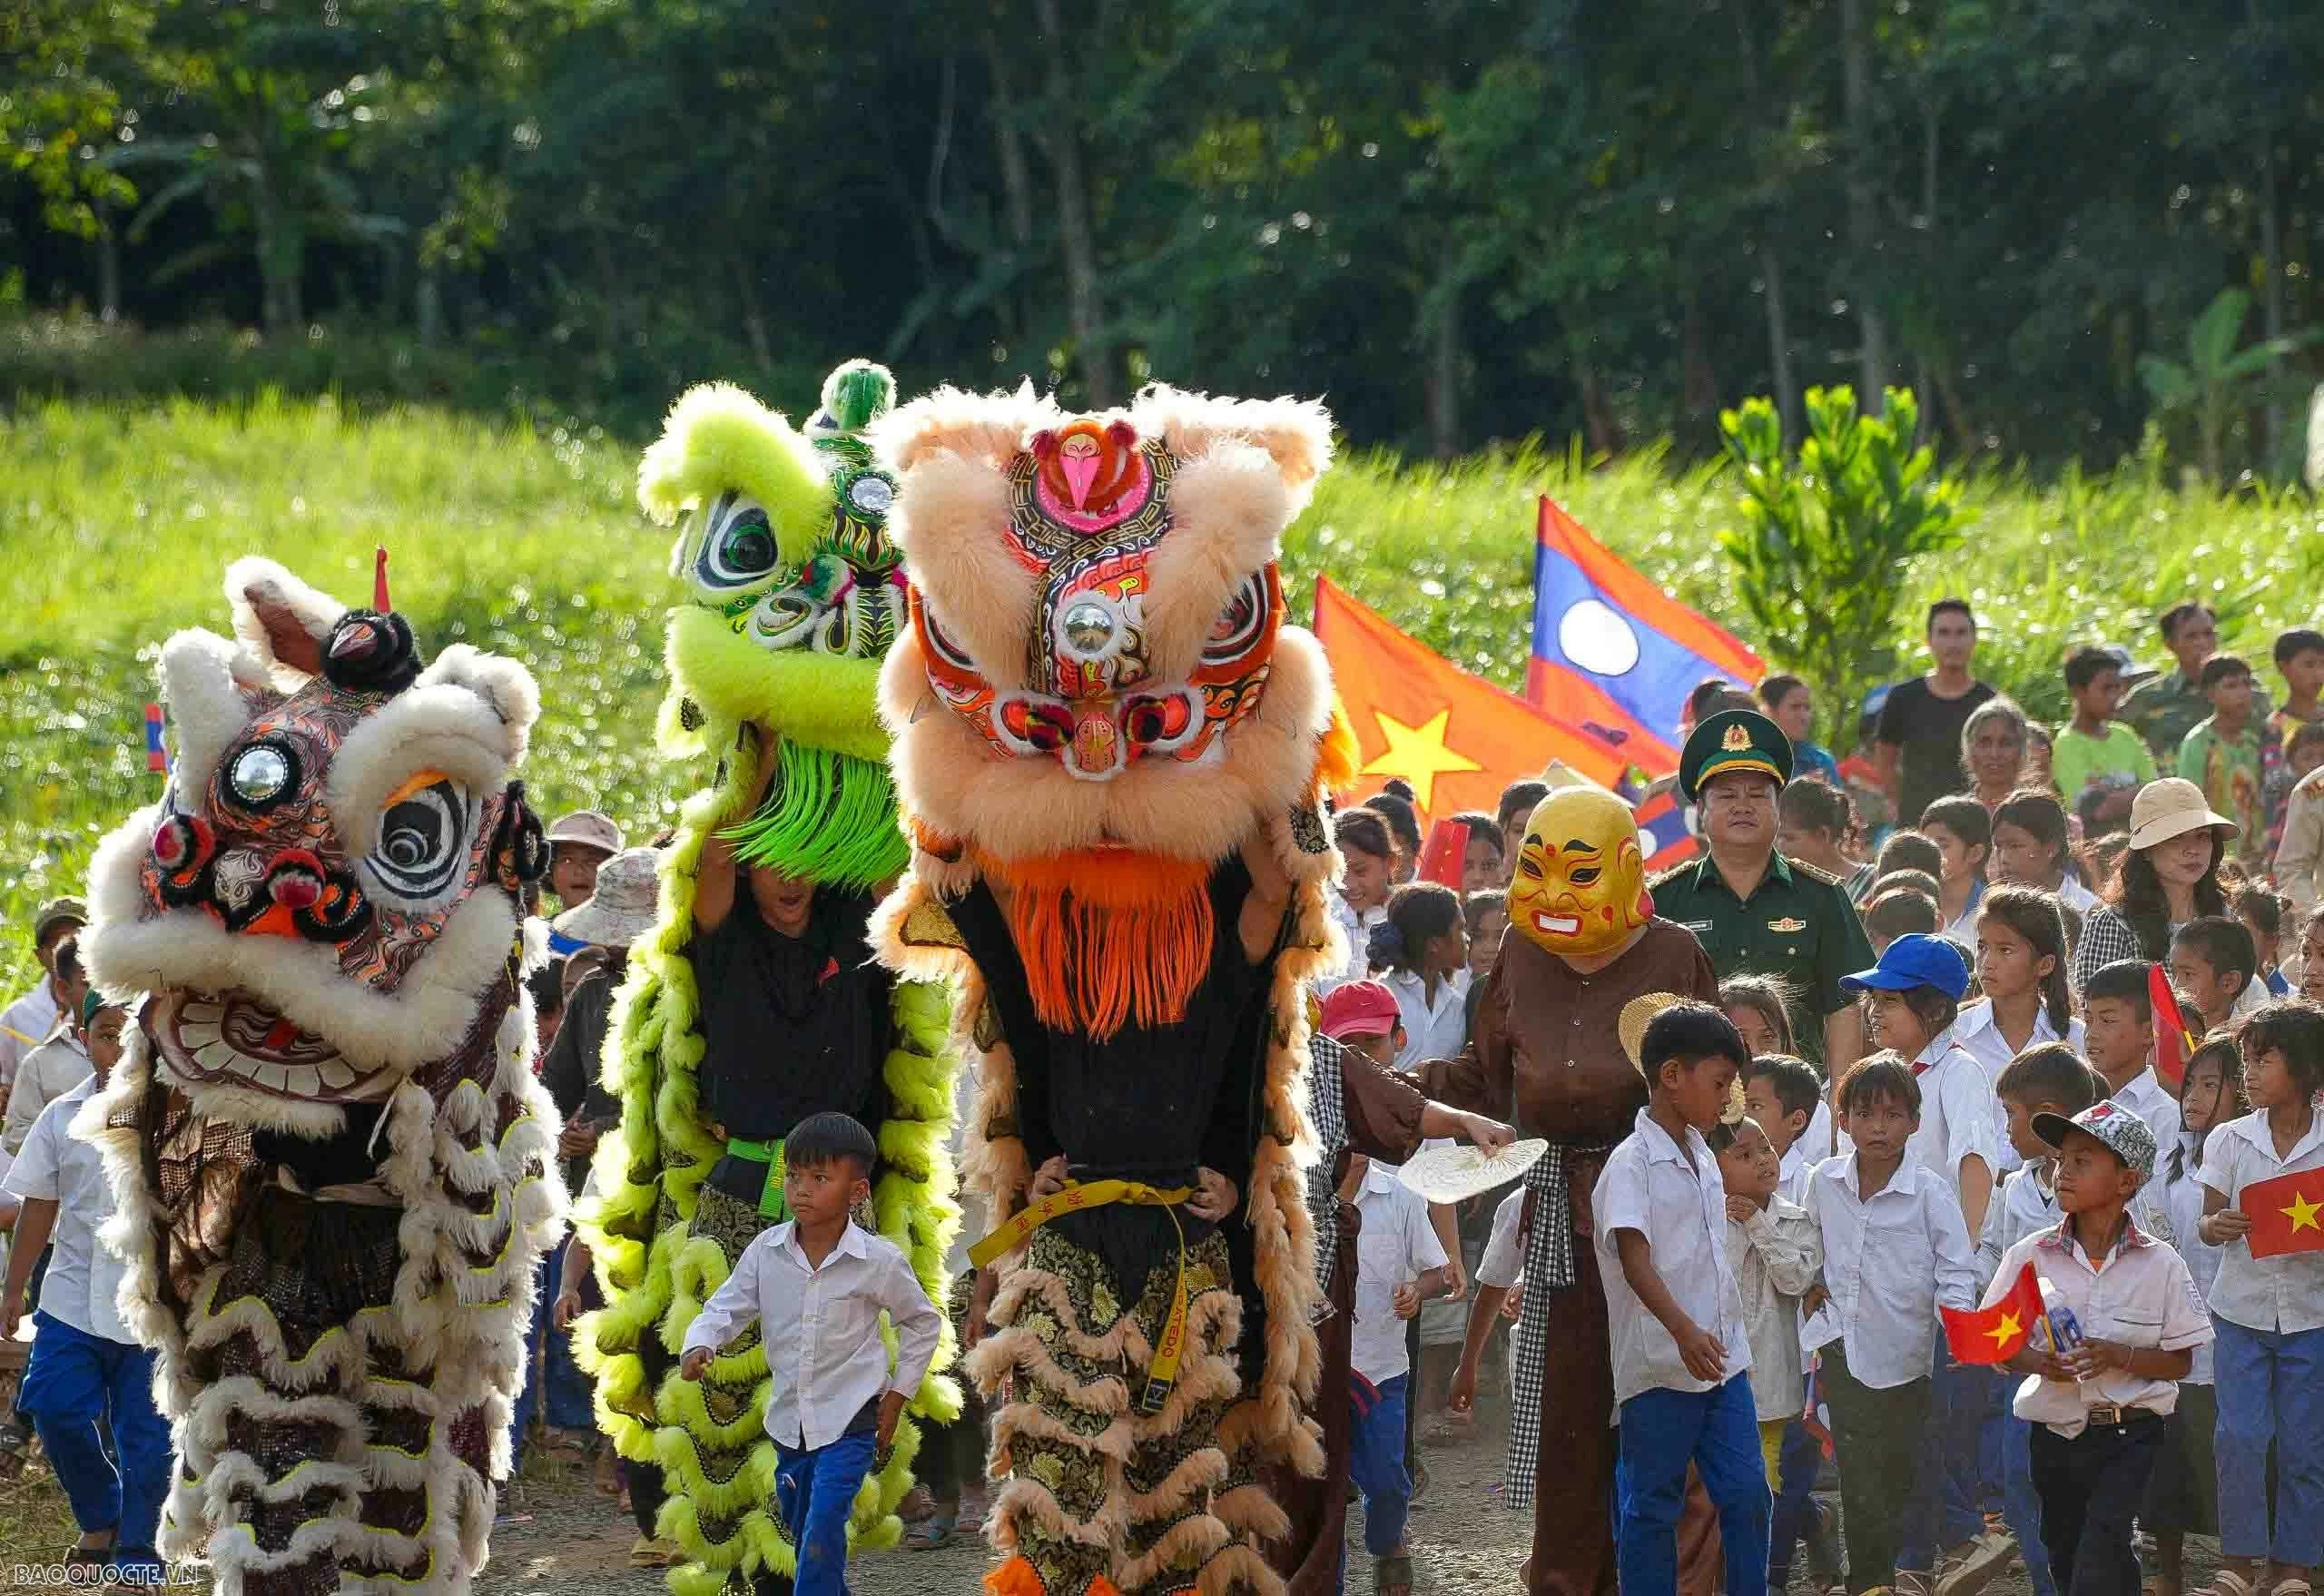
(1076, 1197)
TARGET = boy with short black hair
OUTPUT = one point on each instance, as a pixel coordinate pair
(1675, 1313)
(1898, 911)
(2222, 755)
(1783, 1093)
(2094, 749)
(2300, 660)
(1906, 849)
(1398, 1261)
(816, 1286)
(2118, 1037)
(1894, 1251)
(2098, 1403)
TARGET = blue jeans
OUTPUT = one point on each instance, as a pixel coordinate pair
(1375, 1461)
(1802, 1460)
(2021, 1506)
(814, 1491)
(2271, 1389)
(549, 1365)
(1719, 1430)
(73, 1382)
(1942, 1510)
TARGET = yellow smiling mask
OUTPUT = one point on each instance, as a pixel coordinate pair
(1581, 884)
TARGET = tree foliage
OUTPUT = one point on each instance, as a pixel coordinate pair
(1463, 221)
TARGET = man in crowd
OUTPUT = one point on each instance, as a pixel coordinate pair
(1918, 743)
(28, 1021)
(1755, 911)
(2163, 710)
(578, 843)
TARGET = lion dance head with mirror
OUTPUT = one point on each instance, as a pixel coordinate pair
(333, 1163)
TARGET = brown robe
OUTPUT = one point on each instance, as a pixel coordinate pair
(1546, 1050)
(1383, 1111)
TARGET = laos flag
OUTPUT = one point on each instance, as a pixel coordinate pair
(1613, 652)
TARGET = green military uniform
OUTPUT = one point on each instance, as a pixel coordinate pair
(1798, 925)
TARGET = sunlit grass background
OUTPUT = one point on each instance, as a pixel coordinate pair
(116, 525)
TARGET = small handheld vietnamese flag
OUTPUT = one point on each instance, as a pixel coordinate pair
(2286, 1213)
(1994, 1334)
(157, 754)
(1440, 861)
(2171, 1047)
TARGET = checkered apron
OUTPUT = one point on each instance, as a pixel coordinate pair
(1328, 1111)
(1549, 1267)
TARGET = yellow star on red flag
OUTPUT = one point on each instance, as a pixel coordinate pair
(1419, 753)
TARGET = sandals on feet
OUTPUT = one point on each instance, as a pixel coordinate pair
(1392, 1576)
(928, 1533)
(2226, 1582)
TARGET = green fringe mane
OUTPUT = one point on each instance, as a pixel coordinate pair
(829, 818)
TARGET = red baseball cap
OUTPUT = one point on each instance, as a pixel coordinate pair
(1360, 1008)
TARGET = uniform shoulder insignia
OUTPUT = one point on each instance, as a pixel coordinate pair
(1824, 878)
(1664, 878)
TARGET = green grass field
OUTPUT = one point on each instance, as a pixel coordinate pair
(116, 525)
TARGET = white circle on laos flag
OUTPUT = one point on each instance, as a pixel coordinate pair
(1594, 635)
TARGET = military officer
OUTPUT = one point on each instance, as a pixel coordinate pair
(1755, 911)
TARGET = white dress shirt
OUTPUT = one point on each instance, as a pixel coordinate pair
(2182, 1195)
(55, 1166)
(1437, 1029)
(1889, 1263)
(1503, 1263)
(24, 1024)
(822, 1328)
(1396, 1245)
(2285, 1292)
(1978, 1031)
(1958, 1117)
(2145, 1097)
(1357, 928)
(2025, 1202)
(1777, 1254)
(46, 1074)
(2140, 1294)
(1649, 1184)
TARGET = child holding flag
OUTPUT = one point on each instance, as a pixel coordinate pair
(2263, 1208)
(2103, 1321)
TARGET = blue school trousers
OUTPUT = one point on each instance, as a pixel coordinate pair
(1375, 1461)
(1719, 1432)
(814, 1491)
(2269, 1387)
(72, 1380)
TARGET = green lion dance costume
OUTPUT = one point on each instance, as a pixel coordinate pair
(794, 593)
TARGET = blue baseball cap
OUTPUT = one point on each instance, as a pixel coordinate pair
(1915, 960)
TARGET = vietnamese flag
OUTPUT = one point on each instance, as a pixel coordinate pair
(2286, 1213)
(1613, 652)
(1457, 738)
(2172, 1047)
(1994, 1334)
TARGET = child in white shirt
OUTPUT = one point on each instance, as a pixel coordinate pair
(816, 1286)
(1675, 1314)
(1895, 1251)
(1500, 1274)
(1776, 1252)
(1398, 1261)
(2098, 1405)
(2269, 1312)
(2182, 1496)
(1785, 1096)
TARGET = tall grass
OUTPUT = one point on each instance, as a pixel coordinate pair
(116, 524)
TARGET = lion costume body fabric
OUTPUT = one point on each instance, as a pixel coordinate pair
(1112, 756)
(334, 1166)
(793, 595)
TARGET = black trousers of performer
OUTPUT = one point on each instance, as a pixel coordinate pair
(2090, 1487)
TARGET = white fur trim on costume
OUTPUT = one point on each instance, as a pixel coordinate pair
(446, 727)
(212, 689)
(253, 583)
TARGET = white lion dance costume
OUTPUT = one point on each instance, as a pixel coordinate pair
(334, 1167)
(1113, 755)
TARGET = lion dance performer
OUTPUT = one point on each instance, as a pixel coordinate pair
(1556, 1031)
(754, 1001)
(1112, 754)
(335, 1168)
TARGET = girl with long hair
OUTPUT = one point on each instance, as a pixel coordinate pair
(2032, 848)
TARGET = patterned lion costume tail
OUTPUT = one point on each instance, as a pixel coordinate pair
(794, 593)
(1110, 746)
(335, 1169)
